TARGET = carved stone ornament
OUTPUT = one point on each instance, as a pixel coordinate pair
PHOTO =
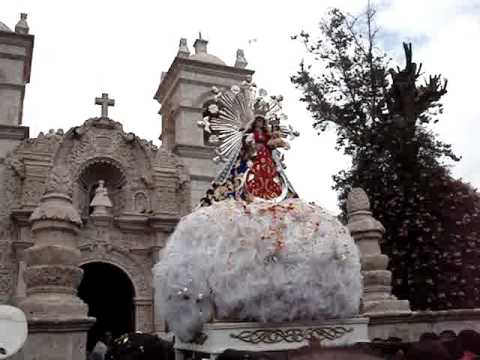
(137, 271)
(53, 275)
(241, 61)
(43, 143)
(141, 202)
(6, 283)
(56, 206)
(357, 201)
(183, 50)
(17, 165)
(60, 181)
(273, 336)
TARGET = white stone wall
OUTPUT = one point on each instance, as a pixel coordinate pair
(10, 106)
(14, 74)
(6, 145)
(186, 130)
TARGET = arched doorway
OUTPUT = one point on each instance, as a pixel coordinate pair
(109, 294)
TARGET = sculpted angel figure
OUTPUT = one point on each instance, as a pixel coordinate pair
(245, 126)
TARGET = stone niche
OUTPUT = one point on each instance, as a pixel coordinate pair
(112, 173)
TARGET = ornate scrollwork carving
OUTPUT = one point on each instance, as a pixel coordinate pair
(17, 165)
(6, 283)
(293, 335)
(33, 188)
(60, 181)
(120, 257)
(53, 275)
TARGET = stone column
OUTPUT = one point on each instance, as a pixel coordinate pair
(367, 233)
(57, 318)
(144, 315)
(163, 227)
(22, 242)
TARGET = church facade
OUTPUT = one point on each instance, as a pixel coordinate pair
(150, 188)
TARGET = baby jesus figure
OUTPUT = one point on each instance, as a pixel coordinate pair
(277, 141)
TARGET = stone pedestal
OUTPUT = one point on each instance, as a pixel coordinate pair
(367, 232)
(56, 339)
(102, 220)
(57, 318)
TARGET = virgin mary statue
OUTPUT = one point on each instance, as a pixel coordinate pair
(245, 125)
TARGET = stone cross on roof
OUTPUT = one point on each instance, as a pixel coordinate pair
(105, 102)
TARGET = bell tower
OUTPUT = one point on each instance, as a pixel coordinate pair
(16, 49)
(183, 92)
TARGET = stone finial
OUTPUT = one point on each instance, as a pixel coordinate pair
(129, 137)
(22, 26)
(183, 50)
(200, 45)
(368, 232)
(241, 61)
(357, 200)
(101, 203)
(56, 206)
(52, 274)
(360, 219)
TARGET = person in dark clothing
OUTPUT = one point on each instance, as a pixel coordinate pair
(101, 347)
(139, 346)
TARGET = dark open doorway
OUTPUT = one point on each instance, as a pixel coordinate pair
(109, 294)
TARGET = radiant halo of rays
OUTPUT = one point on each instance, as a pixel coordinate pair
(231, 116)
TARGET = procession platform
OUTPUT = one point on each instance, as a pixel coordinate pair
(217, 337)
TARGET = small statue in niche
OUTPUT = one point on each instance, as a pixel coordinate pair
(141, 203)
(101, 203)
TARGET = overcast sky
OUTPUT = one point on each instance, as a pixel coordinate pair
(84, 48)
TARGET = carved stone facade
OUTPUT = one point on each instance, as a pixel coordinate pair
(148, 187)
